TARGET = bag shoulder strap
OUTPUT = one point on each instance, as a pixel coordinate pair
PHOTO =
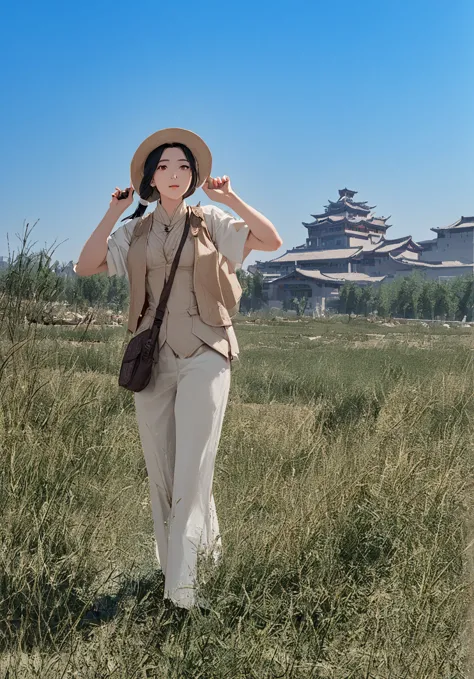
(165, 293)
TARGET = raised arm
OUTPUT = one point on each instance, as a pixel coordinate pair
(262, 235)
(93, 255)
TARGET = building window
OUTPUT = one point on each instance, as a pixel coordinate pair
(298, 290)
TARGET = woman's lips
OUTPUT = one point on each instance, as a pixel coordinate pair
(174, 186)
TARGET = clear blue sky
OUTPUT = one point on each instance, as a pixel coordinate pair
(295, 99)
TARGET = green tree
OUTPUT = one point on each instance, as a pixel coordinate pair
(463, 289)
(300, 304)
(427, 301)
(366, 300)
(245, 300)
(403, 298)
(94, 289)
(252, 290)
(383, 300)
(117, 293)
(442, 303)
(257, 290)
(354, 295)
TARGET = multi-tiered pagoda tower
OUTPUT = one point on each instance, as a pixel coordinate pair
(342, 240)
(347, 242)
(345, 223)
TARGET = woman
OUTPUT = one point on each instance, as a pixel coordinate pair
(180, 412)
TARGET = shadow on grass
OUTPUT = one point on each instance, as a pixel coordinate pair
(138, 600)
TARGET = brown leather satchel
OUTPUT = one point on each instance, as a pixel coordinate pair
(137, 362)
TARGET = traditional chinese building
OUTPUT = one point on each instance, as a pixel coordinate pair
(347, 242)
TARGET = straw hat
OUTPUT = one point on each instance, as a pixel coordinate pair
(169, 135)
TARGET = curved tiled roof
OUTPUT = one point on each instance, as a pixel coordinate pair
(317, 255)
(365, 221)
(395, 244)
(463, 223)
(316, 274)
(344, 204)
(430, 265)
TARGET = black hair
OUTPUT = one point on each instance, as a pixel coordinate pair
(151, 163)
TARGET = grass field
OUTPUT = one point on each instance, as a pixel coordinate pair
(344, 489)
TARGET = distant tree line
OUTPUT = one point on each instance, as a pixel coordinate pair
(413, 296)
(33, 276)
(252, 290)
(36, 275)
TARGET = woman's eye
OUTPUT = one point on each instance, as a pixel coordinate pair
(186, 167)
(161, 167)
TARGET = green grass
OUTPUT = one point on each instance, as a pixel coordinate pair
(343, 486)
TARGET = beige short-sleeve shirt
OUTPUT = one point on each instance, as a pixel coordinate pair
(182, 327)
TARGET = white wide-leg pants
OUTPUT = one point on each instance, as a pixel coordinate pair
(180, 415)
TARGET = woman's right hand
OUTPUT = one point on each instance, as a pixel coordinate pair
(123, 203)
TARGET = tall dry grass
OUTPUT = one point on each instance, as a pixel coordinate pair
(344, 491)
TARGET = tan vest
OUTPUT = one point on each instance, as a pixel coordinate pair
(216, 285)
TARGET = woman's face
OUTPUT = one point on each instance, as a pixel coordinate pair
(173, 174)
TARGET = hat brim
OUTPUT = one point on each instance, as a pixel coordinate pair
(170, 135)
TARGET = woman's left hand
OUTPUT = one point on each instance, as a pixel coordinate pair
(221, 191)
